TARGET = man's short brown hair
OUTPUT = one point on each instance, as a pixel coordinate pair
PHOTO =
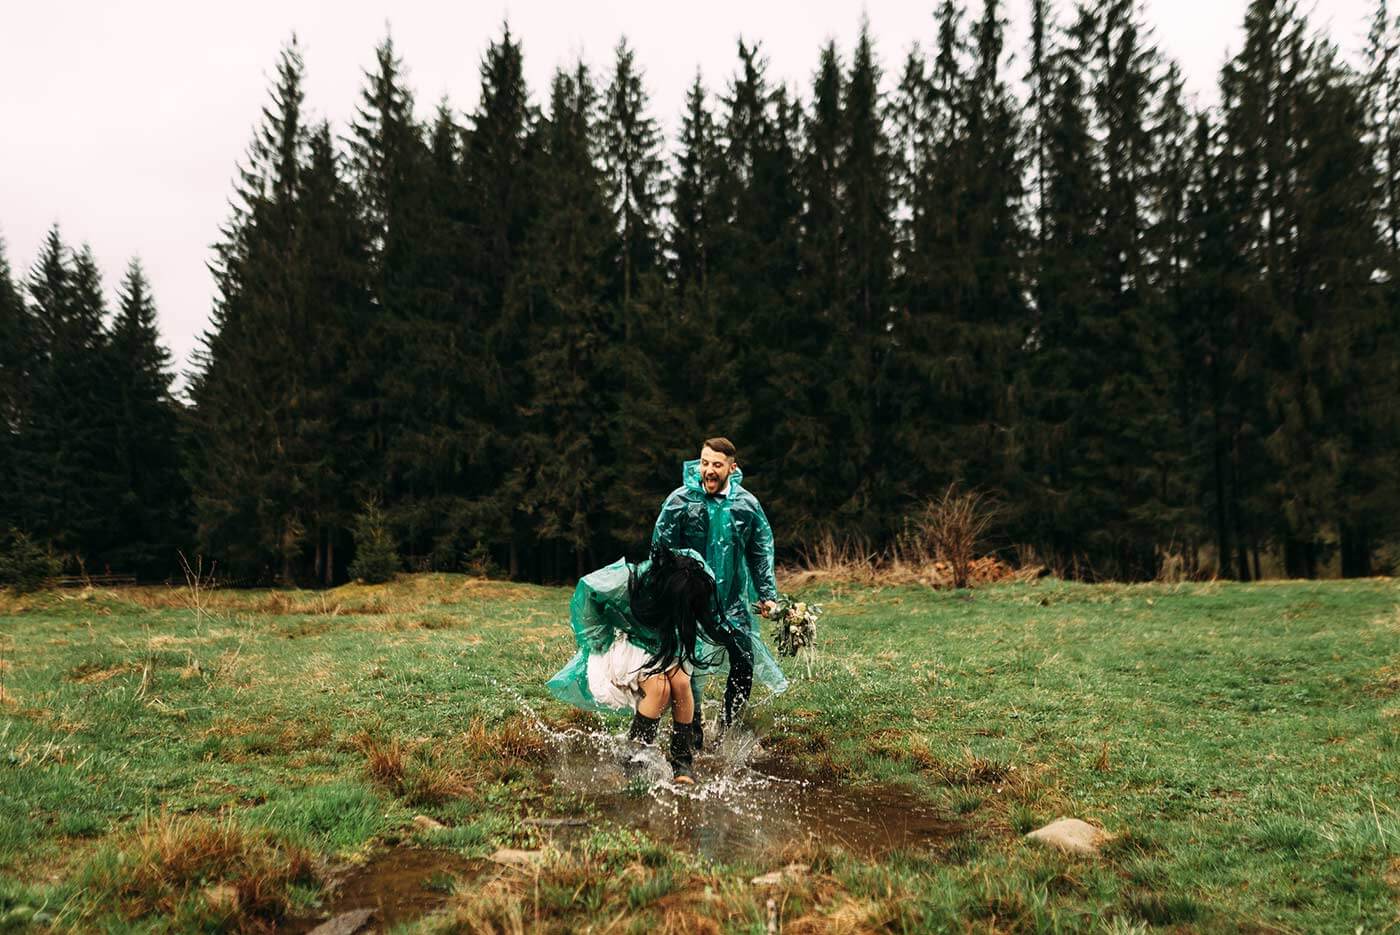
(723, 445)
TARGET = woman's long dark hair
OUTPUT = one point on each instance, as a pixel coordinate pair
(675, 598)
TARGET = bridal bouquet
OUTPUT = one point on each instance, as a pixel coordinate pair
(794, 624)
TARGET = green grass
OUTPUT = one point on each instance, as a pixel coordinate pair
(1242, 742)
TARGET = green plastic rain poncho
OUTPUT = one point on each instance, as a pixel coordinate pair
(599, 611)
(732, 533)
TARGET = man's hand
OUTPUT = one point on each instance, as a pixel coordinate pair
(766, 608)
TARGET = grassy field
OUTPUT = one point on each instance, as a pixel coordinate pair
(165, 766)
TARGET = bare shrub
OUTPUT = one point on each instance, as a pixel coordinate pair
(952, 528)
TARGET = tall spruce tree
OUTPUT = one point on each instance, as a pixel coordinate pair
(821, 393)
(16, 362)
(1382, 62)
(697, 211)
(561, 294)
(152, 512)
(631, 156)
(393, 172)
(250, 468)
(644, 427)
(1132, 423)
(1171, 512)
(1057, 515)
(866, 199)
(1328, 396)
(337, 375)
(1208, 326)
(65, 475)
(930, 126)
(1266, 91)
(763, 399)
(694, 346)
(502, 202)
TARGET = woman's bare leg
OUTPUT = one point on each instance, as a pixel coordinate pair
(656, 695)
(682, 699)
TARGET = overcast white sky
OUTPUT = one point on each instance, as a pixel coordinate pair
(124, 119)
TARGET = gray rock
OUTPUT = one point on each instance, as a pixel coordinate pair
(347, 923)
(424, 823)
(1072, 836)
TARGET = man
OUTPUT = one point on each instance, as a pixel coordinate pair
(713, 514)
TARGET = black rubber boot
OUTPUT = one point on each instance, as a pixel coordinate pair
(697, 732)
(641, 734)
(736, 691)
(643, 728)
(740, 682)
(682, 756)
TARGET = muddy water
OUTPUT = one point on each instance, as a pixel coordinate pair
(400, 885)
(744, 804)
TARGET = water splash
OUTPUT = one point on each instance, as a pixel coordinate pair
(744, 802)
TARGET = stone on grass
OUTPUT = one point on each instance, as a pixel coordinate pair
(424, 823)
(347, 923)
(1072, 836)
(776, 877)
(512, 857)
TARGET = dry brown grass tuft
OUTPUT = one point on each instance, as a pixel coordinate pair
(831, 560)
(406, 595)
(849, 916)
(495, 909)
(434, 782)
(914, 561)
(1387, 682)
(970, 770)
(682, 921)
(159, 864)
(92, 674)
(420, 774)
(385, 762)
(514, 740)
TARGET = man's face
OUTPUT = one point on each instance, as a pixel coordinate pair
(715, 469)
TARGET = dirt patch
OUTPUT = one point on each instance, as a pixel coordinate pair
(399, 885)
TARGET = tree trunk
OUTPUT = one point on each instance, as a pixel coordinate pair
(1356, 552)
(1222, 535)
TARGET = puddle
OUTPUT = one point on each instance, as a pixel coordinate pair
(744, 804)
(400, 885)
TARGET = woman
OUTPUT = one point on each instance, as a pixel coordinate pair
(637, 629)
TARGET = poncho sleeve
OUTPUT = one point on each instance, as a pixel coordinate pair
(759, 552)
(596, 606)
(667, 531)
